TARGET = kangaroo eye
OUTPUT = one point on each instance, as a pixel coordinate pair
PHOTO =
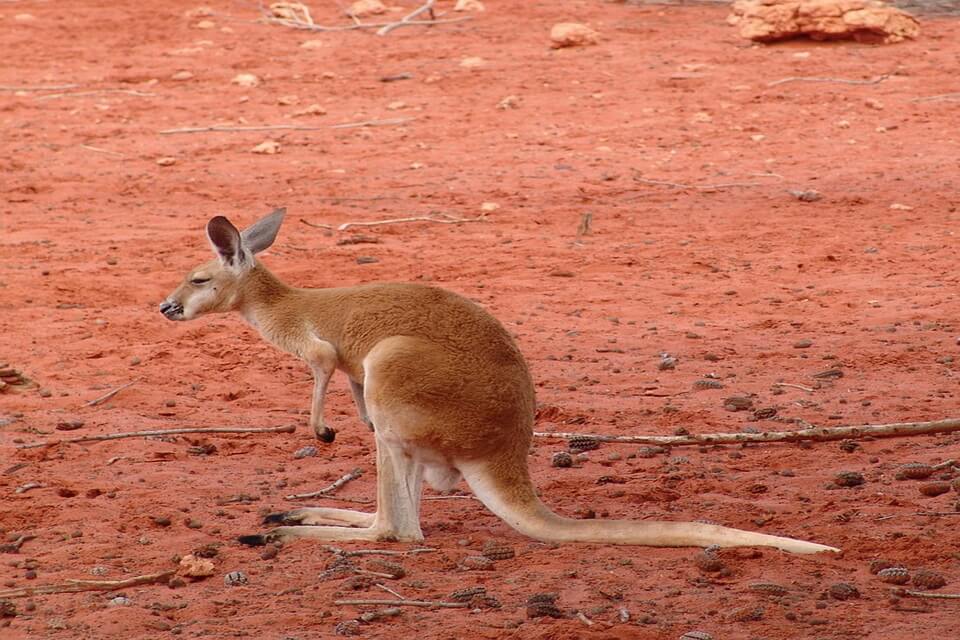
(199, 281)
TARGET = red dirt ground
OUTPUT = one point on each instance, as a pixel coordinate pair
(95, 233)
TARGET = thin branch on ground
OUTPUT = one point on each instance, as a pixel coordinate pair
(876, 80)
(353, 475)
(77, 94)
(426, 7)
(405, 603)
(27, 487)
(937, 513)
(446, 219)
(53, 87)
(76, 586)
(925, 594)
(825, 434)
(298, 22)
(159, 432)
(111, 393)
(794, 386)
(945, 97)
(316, 225)
(284, 127)
(377, 552)
(701, 187)
(99, 150)
(14, 547)
(388, 590)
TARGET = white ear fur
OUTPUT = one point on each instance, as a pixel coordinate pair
(226, 242)
(261, 234)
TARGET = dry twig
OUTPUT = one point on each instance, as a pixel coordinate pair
(316, 225)
(99, 150)
(54, 87)
(77, 94)
(945, 97)
(794, 386)
(406, 603)
(284, 127)
(388, 590)
(446, 219)
(924, 594)
(353, 475)
(426, 7)
(76, 586)
(876, 80)
(304, 21)
(159, 432)
(111, 393)
(826, 434)
(377, 552)
(701, 187)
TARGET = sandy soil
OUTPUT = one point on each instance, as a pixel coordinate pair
(727, 279)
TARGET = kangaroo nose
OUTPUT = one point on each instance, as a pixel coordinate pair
(169, 308)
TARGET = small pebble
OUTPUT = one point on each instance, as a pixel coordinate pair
(696, 635)
(477, 563)
(269, 553)
(235, 578)
(667, 363)
(161, 521)
(119, 601)
(848, 479)
(193, 523)
(305, 452)
(933, 489)
(803, 344)
(843, 591)
(928, 579)
(737, 403)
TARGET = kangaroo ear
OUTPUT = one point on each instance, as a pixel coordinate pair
(225, 240)
(261, 234)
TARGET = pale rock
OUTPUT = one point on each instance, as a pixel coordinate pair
(312, 110)
(206, 24)
(245, 80)
(701, 116)
(198, 12)
(489, 207)
(473, 62)
(873, 103)
(268, 147)
(758, 137)
(469, 5)
(417, 165)
(181, 75)
(572, 34)
(166, 161)
(364, 8)
(396, 105)
(861, 20)
(286, 101)
(510, 102)
(24, 17)
(896, 206)
(194, 567)
(313, 44)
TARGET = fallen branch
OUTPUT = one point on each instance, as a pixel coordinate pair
(946, 97)
(353, 475)
(316, 225)
(111, 393)
(30, 485)
(406, 603)
(826, 434)
(924, 594)
(76, 586)
(99, 150)
(376, 552)
(129, 92)
(426, 7)
(937, 513)
(14, 547)
(702, 187)
(876, 80)
(54, 87)
(159, 432)
(284, 127)
(794, 386)
(447, 219)
(388, 590)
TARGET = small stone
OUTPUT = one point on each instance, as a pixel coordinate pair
(245, 80)
(206, 24)
(8, 609)
(347, 628)
(69, 425)
(477, 563)
(808, 195)
(24, 17)
(181, 76)
(848, 479)
(650, 452)
(166, 161)
(803, 344)
(843, 591)
(562, 460)
(312, 110)
(305, 452)
(928, 579)
(268, 147)
(489, 207)
(873, 103)
(235, 578)
(364, 8)
(667, 363)
(45, 393)
(769, 588)
(708, 561)
(65, 492)
(933, 489)
(764, 413)
(31, 574)
(119, 601)
(194, 567)
(269, 553)
(161, 521)
(510, 102)
(896, 206)
(894, 575)
(737, 403)
(314, 44)
(367, 260)
(696, 635)
(193, 523)
(572, 34)
(99, 570)
(469, 5)
(473, 62)
(707, 383)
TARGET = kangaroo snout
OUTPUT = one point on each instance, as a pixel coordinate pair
(171, 310)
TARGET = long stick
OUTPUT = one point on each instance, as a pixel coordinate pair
(447, 220)
(924, 594)
(160, 432)
(876, 80)
(353, 475)
(427, 6)
(826, 434)
(111, 393)
(75, 586)
(407, 603)
(285, 127)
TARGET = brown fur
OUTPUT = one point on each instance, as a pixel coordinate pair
(440, 380)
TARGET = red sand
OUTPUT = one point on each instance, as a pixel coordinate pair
(95, 234)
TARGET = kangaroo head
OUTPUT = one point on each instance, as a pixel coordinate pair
(217, 286)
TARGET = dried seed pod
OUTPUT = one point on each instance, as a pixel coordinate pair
(737, 403)
(933, 489)
(696, 635)
(347, 628)
(235, 578)
(465, 595)
(650, 452)
(379, 614)
(562, 460)
(848, 479)
(394, 569)
(577, 444)
(894, 575)
(707, 383)
(843, 591)
(877, 565)
(849, 446)
(497, 551)
(708, 561)
(477, 563)
(543, 597)
(928, 579)
(764, 413)
(338, 567)
(914, 471)
(745, 614)
(769, 588)
(8, 609)
(484, 601)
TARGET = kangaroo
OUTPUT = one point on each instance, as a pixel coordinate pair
(437, 378)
